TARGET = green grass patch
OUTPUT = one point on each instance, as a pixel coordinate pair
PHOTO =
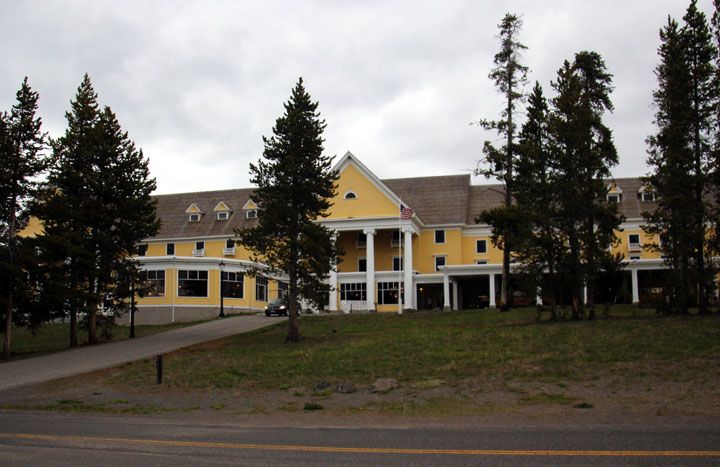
(449, 347)
(73, 405)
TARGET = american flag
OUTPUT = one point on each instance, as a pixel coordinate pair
(406, 213)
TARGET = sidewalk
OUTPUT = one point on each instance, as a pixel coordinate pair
(96, 357)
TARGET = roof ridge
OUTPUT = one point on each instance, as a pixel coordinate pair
(204, 192)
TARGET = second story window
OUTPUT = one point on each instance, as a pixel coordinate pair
(142, 250)
(199, 249)
(362, 265)
(397, 263)
(439, 236)
(361, 240)
(170, 249)
(634, 242)
(481, 246)
(439, 262)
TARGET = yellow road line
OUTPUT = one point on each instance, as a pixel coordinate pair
(359, 450)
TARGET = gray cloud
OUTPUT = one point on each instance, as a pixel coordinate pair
(196, 84)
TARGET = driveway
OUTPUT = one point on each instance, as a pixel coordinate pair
(97, 357)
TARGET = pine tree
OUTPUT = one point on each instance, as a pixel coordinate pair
(21, 157)
(699, 55)
(295, 183)
(95, 209)
(509, 76)
(536, 199)
(584, 153)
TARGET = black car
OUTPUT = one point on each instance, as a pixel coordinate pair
(279, 307)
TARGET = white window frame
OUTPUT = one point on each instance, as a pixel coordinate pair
(395, 242)
(223, 215)
(350, 195)
(228, 275)
(199, 251)
(360, 244)
(614, 198)
(360, 287)
(167, 248)
(251, 214)
(634, 246)
(361, 258)
(435, 258)
(164, 283)
(194, 217)
(266, 285)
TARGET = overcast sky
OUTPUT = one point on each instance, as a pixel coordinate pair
(197, 84)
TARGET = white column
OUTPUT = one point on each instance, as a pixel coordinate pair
(333, 303)
(635, 286)
(455, 303)
(585, 294)
(408, 269)
(538, 296)
(370, 265)
(491, 278)
(446, 291)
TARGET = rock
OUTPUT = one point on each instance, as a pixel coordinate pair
(321, 386)
(345, 388)
(383, 385)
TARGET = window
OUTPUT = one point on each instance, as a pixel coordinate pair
(199, 249)
(634, 257)
(361, 241)
(439, 261)
(283, 289)
(223, 215)
(195, 217)
(350, 195)
(154, 284)
(355, 291)
(481, 261)
(251, 214)
(481, 246)
(634, 240)
(142, 250)
(647, 195)
(395, 240)
(397, 263)
(261, 284)
(362, 264)
(233, 284)
(170, 249)
(614, 197)
(439, 236)
(230, 243)
(388, 293)
(192, 283)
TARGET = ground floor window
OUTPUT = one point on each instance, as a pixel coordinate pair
(154, 284)
(192, 283)
(261, 285)
(355, 291)
(233, 284)
(388, 292)
(283, 289)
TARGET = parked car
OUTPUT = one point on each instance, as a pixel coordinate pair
(279, 307)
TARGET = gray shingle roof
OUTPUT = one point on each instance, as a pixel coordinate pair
(449, 199)
(174, 220)
(437, 200)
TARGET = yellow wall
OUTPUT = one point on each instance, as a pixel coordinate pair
(470, 255)
(623, 245)
(370, 202)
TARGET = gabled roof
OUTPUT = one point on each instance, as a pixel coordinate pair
(174, 220)
(222, 206)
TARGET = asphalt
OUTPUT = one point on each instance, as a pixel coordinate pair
(40, 438)
(97, 357)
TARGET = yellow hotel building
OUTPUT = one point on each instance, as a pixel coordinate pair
(438, 258)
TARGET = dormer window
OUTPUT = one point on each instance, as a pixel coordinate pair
(194, 217)
(350, 195)
(194, 212)
(614, 193)
(222, 211)
(223, 215)
(646, 193)
(251, 214)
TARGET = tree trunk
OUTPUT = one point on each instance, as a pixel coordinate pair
(73, 327)
(576, 288)
(293, 330)
(7, 338)
(504, 289)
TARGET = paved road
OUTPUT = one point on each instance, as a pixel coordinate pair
(37, 438)
(91, 358)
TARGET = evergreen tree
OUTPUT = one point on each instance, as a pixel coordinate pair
(699, 56)
(295, 183)
(535, 193)
(584, 153)
(95, 209)
(21, 157)
(509, 76)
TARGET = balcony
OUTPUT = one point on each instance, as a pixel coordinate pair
(229, 251)
(200, 252)
(635, 247)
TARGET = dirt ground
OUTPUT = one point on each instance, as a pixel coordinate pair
(607, 399)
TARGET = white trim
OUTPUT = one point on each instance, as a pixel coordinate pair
(347, 196)
(224, 214)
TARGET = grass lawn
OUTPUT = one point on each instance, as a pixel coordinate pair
(55, 337)
(451, 347)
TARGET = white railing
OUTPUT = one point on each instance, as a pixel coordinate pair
(200, 252)
(229, 251)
